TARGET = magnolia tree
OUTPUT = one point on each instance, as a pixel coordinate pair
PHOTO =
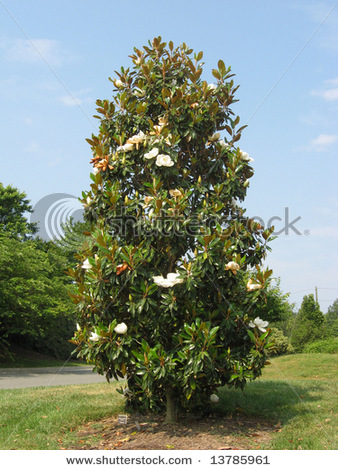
(163, 292)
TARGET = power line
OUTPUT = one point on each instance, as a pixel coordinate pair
(311, 288)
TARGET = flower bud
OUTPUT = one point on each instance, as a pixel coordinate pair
(118, 83)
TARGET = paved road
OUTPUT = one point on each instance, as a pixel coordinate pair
(48, 376)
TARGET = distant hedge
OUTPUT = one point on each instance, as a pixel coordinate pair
(329, 346)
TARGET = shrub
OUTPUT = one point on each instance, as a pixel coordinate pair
(329, 346)
(281, 342)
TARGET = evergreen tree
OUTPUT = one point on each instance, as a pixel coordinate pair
(308, 324)
(161, 293)
(331, 319)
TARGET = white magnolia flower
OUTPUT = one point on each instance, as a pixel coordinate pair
(232, 266)
(94, 337)
(88, 200)
(214, 398)
(138, 92)
(212, 86)
(223, 144)
(167, 283)
(152, 154)
(162, 121)
(136, 139)
(215, 137)
(118, 84)
(170, 281)
(95, 171)
(173, 277)
(245, 156)
(125, 148)
(168, 140)
(121, 329)
(234, 204)
(78, 327)
(164, 160)
(251, 286)
(175, 192)
(259, 323)
(147, 199)
(86, 264)
(127, 392)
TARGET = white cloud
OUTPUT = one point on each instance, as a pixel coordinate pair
(330, 210)
(315, 118)
(332, 81)
(321, 143)
(329, 94)
(322, 14)
(325, 232)
(70, 100)
(35, 51)
(28, 121)
(54, 162)
(77, 98)
(324, 140)
(32, 147)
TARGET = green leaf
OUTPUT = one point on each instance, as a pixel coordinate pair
(216, 74)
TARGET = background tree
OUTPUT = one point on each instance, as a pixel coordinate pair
(277, 309)
(13, 205)
(73, 239)
(161, 292)
(331, 319)
(308, 324)
(35, 308)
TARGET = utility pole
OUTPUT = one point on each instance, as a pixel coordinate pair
(316, 291)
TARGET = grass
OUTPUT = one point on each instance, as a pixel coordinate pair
(37, 418)
(298, 391)
(21, 357)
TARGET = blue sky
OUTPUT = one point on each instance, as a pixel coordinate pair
(55, 60)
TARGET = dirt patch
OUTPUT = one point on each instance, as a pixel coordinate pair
(152, 433)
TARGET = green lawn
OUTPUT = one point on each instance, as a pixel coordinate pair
(21, 357)
(298, 391)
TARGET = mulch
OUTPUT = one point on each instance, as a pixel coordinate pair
(190, 433)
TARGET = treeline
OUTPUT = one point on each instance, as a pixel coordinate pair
(36, 311)
(308, 330)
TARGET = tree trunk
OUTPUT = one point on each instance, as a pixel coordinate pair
(171, 407)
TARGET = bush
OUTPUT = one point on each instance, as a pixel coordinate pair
(305, 333)
(329, 346)
(281, 343)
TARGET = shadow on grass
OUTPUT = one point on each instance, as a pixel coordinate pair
(271, 400)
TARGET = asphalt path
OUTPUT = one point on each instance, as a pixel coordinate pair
(48, 376)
